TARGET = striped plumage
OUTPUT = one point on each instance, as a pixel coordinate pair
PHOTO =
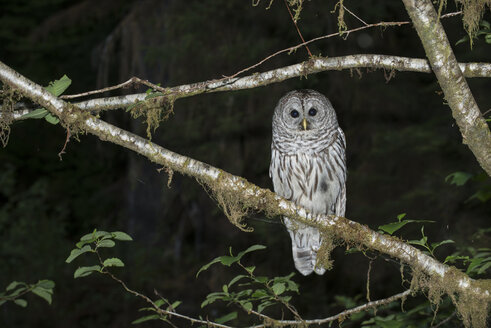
(308, 166)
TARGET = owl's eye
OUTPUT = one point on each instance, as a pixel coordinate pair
(294, 113)
(312, 111)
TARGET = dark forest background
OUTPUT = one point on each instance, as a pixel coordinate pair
(401, 144)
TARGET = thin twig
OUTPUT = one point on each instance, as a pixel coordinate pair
(296, 26)
(62, 151)
(343, 314)
(155, 306)
(156, 87)
(346, 33)
(352, 14)
(450, 317)
(128, 83)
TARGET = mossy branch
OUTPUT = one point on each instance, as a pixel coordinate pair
(473, 127)
(311, 66)
(472, 297)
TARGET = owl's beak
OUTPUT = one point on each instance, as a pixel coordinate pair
(304, 124)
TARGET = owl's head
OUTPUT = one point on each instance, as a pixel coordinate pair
(304, 112)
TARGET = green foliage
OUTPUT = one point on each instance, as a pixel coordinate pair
(248, 291)
(481, 182)
(429, 248)
(161, 303)
(56, 88)
(392, 227)
(16, 289)
(475, 261)
(91, 243)
(484, 30)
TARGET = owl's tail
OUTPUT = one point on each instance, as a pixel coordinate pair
(306, 241)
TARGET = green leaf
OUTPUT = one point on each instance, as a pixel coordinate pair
(438, 244)
(261, 279)
(2, 301)
(146, 318)
(57, 87)
(247, 306)
(18, 291)
(85, 271)
(21, 302)
(113, 261)
(458, 178)
(264, 305)
(279, 288)
(243, 293)
(106, 243)
(174, 305)
(206, 266)
(14, 284)
(392, 227)
(250, 269)
(474, 264)
(462, 40)
(43, 293)
(229, 260)
(286, 299)
(484, 268)
(46, 284)
(485, 24)
(35, 114)
(119, 235)
(160, 302)
(51, 119)
(454, 258)
(293, 286)
(482, 195)
(94, 235)
(421, 242)
(227, 317)
(77, 252)
(235, 279)
(401, 216)
(259, 293)
(250, 249)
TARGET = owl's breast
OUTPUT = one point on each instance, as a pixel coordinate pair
(309, 179)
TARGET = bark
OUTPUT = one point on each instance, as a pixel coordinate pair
(473, 127)
(314, 65)
(447, 279)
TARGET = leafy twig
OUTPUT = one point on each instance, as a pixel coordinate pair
(343, 314)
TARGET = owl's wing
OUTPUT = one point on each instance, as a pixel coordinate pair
(340, 207)
(277, 171)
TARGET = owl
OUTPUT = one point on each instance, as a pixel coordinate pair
(308, 167)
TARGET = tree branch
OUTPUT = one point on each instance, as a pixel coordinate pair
(429, 273)
(341, 315)
(314, 65)
(473, 127)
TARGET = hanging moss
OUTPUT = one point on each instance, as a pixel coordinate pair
(9, 98)
(329, 242)
(473, 11)
(472, 309)
(155, 110)
(341, 23)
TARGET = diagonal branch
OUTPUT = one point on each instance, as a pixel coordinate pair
(429, 273)
(344, 314)
(473, 127)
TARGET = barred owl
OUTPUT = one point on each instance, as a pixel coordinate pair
(308, 167)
